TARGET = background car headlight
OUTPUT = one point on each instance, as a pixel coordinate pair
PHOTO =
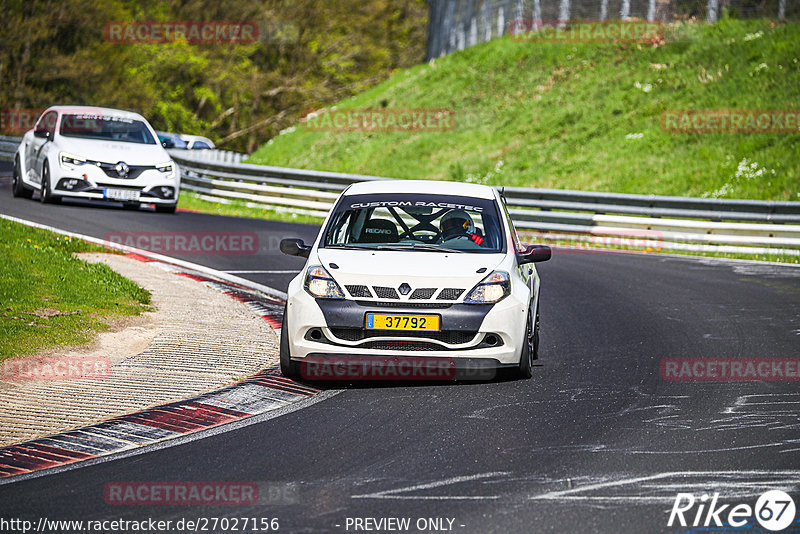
(68, 159)
(167, 168)
(321, 285)
(493, 288)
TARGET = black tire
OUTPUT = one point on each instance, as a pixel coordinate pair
(527, 353)
(289, 369)
(166, 209)
(45, 193)
(18, 189)
(536, 338)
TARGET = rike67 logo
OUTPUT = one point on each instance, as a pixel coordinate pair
(774, 510)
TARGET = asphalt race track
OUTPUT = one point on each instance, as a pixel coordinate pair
(596, 441)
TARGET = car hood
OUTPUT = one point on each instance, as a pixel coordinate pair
(113, 152)
(417, 269)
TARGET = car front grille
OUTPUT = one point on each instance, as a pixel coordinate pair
(404, 304)
(423, 293)
(413, 299)
(385, 292)
(359, 291)
(450, 293)
(401, 345)
(450, 337)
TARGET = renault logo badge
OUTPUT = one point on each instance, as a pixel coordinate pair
(122, 169)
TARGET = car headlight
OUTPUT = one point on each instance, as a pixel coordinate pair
(321, 285)
(70, 160)
(167, 168)
(493, 288)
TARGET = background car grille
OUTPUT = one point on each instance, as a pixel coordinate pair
(450, 293)
(451, 337)
(133, 170)
(359, 291)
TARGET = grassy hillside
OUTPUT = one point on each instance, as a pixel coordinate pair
(583, 116)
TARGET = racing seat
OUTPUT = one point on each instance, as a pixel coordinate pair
(379, 231)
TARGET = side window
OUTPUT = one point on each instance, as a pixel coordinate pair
(201, 144)
(518, 246)
(47, 123)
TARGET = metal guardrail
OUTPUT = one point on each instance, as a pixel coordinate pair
(725, 225)
(615, 219)
(8, 147)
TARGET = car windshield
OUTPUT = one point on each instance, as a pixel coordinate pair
(106, 128)
(417, 222)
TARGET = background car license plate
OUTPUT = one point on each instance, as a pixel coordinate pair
(121, 194)
(377, 321)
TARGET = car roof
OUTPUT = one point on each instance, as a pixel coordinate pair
(94, 110)
(187, 137)
(435, 187)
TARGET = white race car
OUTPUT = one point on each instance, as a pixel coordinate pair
(96, 153)
(410, 268)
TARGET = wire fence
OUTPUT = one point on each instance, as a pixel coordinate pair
(458, 24)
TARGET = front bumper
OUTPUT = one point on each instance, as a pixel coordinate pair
(336, 328)
(90, 182)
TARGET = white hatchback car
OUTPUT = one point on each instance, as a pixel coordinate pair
(412, 268)
(96, 153)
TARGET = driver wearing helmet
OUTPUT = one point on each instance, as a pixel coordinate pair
(458, 223)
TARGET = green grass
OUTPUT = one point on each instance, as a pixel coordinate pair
(49, 298)
(191, 201)
(562, 115)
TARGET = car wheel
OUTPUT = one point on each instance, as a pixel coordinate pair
(526, 357)
(289, 368)
(45, 193)
(19, 189)
(166, 209)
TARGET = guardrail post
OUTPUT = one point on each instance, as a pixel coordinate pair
(711, 10)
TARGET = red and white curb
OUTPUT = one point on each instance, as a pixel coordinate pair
(265, 391)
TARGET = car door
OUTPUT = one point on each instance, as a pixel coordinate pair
(35, 151)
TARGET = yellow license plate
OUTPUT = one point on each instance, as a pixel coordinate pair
(377, 321)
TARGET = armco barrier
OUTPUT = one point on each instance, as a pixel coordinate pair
(684, 223)
(714, 224)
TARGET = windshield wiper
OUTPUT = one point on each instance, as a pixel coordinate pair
(370, 247)
(414, 246)
(434, 248)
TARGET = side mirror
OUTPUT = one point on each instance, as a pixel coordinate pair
(44, 134)
(295, 247)
(167, 143)
(534, 254)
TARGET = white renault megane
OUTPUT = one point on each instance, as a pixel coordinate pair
(408, 268)
(95, 153)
